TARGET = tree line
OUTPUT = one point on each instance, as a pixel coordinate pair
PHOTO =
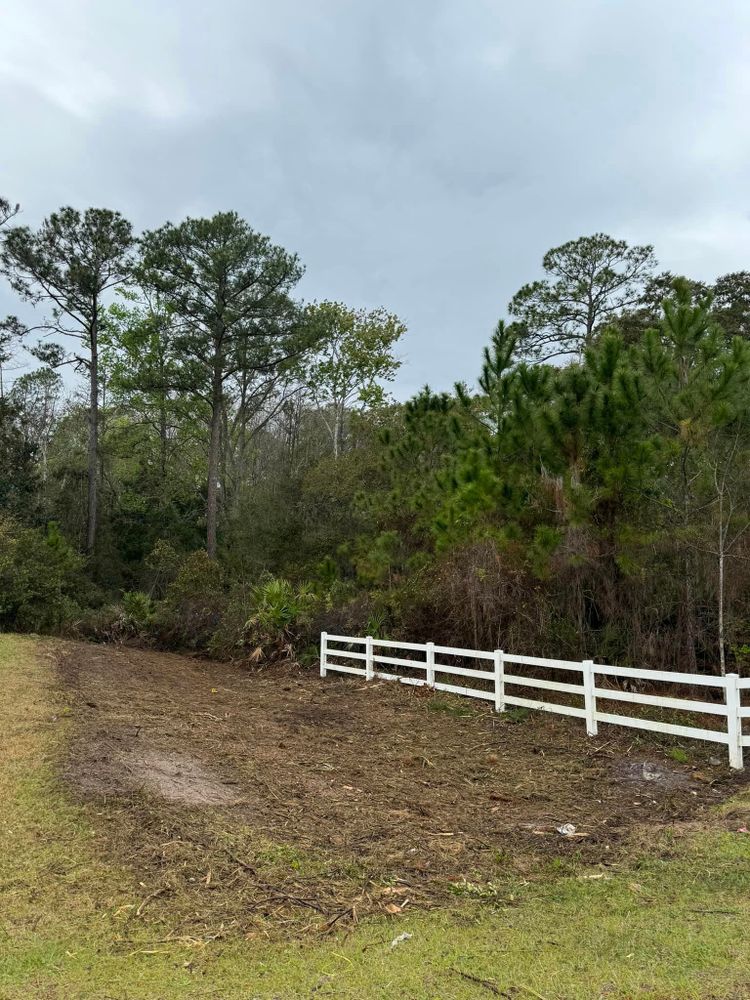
(233, 469)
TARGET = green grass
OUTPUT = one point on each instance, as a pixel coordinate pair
(671, 924)
(450, 706)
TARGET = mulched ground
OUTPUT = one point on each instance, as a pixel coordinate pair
(246, 801)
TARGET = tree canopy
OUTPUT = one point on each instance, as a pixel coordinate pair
(591, 280)
(255, 481)
(227, 289)
(69, 265)
(353, 357)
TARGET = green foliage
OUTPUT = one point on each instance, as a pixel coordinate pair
(731, 304)
(37, 395)
(19, 476)
(352, 357)
(280, 613)
(41, 579)
(594, 508)
(566, 496)
(139, 609)
(591, 281)
(70, 264)
(193, 604)
(377, 559)
(163, 564)
(227, 288)
(377, 625)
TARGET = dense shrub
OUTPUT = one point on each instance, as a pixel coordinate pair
(129, 621)
(270, 620)
(162, 564)
(106, 623)
(41, 579)
(227, 640)
(193, 605)
(280, 615)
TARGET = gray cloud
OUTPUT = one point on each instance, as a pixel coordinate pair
(421, 156)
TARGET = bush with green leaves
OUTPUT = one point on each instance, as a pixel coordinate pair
(281, 613)
(127, 621)
(107, 623)
(41, 579)
(227, 640)
(194, 604)
(138, 609)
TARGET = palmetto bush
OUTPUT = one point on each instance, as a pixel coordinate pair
(281, 612)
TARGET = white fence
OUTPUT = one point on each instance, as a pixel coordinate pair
(367, 663)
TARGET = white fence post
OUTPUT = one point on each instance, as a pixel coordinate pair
(430, 650)
(734, 720)
(323, 652)
(589, 697)
(369, 662)
(499, 681)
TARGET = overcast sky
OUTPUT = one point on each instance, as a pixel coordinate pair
(417, 155)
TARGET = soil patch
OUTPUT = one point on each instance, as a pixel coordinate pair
(176, 777)
(279, 795)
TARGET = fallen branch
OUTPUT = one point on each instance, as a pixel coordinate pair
(328, 925)
(278, 894)
(241, 863)
(274, 891)
(489, 984)
(151, 896)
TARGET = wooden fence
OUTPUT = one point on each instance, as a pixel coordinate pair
(421, 659)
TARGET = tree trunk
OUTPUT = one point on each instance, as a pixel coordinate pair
(688, 625)
(590, 324)
(93, 448)
(722, 658)
(689, 629)
(337, 430)
(214, 459)
(240, 454)
(163, 445)
(163, 428)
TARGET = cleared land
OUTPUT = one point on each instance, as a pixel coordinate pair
(395, 793)
(176, 828)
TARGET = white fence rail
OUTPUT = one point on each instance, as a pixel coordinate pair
(366, 662)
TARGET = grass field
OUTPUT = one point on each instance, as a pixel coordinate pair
(671, 922)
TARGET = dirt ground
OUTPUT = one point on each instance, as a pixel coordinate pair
(278, 798)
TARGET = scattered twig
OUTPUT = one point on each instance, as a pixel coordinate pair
(151, 895)
(489, 984)
(277, 894)
(241, 863)
(328, 925)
